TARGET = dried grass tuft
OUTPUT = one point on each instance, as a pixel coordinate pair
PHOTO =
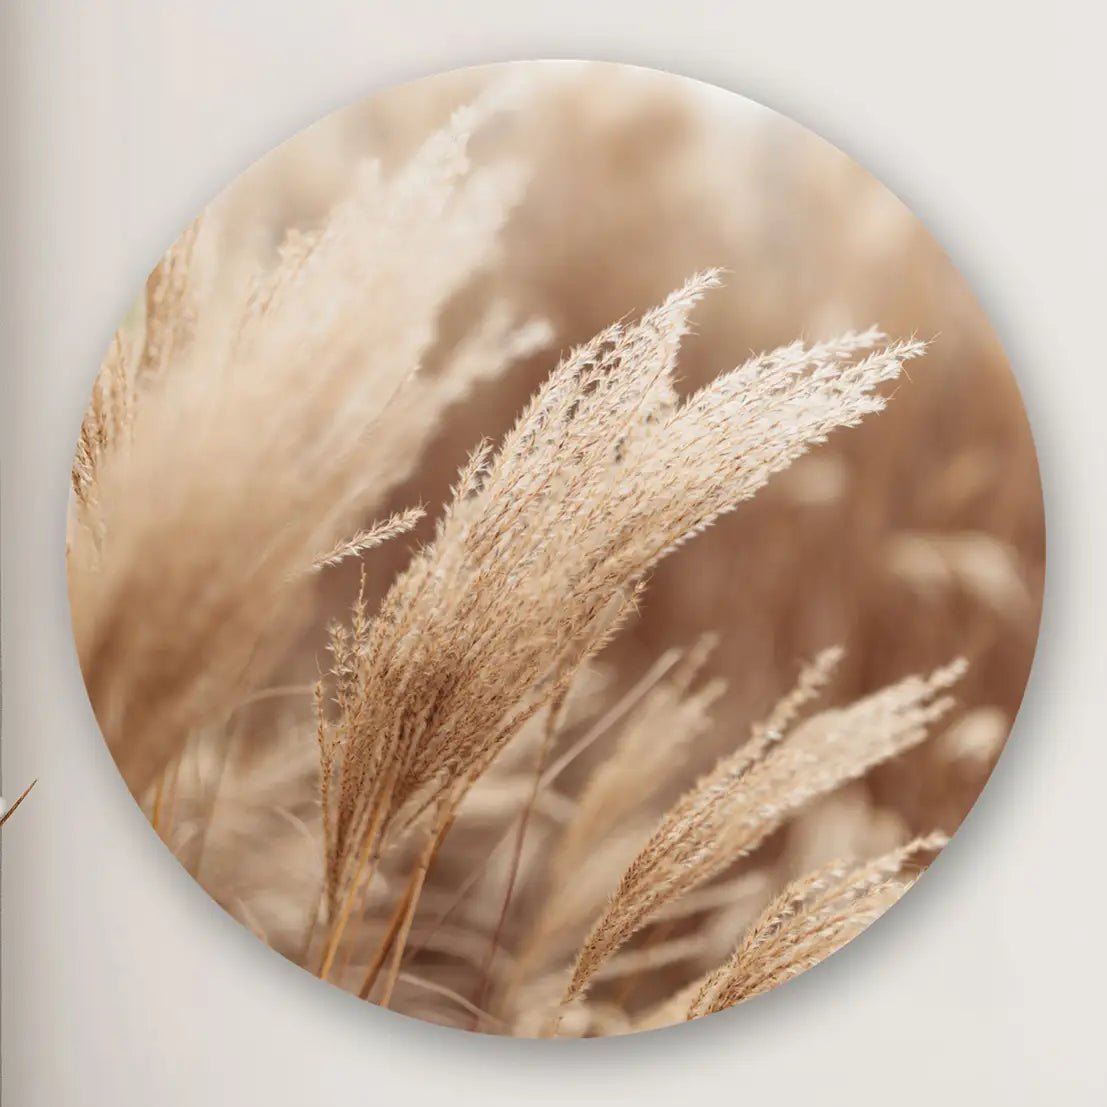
(450, 764)
(811, 919)
(215, 464)
(748, 795)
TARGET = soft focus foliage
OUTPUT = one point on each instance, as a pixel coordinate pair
(446, 605)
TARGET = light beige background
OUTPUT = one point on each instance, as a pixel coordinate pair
(123, 984)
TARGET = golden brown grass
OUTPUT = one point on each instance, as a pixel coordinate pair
(484, 810)
(348, 311)
(748, 794)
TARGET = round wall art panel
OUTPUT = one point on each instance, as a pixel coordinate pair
(555, 549)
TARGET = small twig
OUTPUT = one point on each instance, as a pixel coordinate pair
(442, 827)
(517, 853)
(11, 810)
(394, 924)
(615, 715)
(343, 919)
(159, 795)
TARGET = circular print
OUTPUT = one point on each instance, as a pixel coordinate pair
(555, 549)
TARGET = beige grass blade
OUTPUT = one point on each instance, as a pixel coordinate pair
(811, 919)
(749, 794)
